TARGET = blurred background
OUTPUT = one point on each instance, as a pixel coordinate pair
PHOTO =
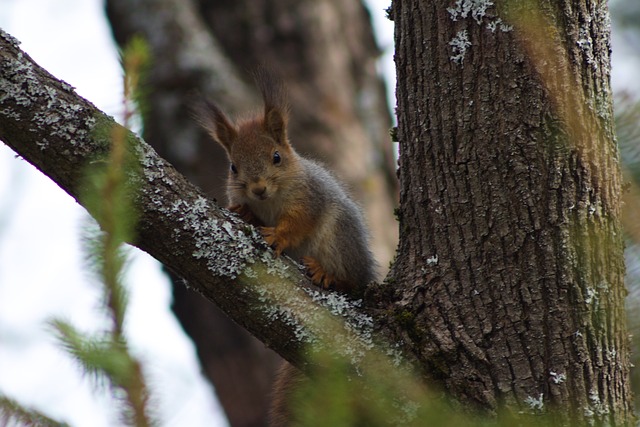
(336, 58)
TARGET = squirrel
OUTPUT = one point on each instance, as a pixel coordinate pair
(299, 206)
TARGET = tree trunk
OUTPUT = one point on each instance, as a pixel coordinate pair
(510, 263)
(325, 52)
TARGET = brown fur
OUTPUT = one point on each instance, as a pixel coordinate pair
(322, 278)
(295, 226)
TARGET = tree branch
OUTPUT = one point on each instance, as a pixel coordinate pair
(223, 258)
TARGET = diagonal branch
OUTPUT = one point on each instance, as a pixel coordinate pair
(223, 258)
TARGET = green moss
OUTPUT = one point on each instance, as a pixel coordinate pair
(102, 133)
(397, 214)
(389, 12)
(407, 320)
(393, 132)
(439, 365)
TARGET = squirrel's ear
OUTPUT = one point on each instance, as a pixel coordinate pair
(213, 120)
(275, 123)
(276, 107)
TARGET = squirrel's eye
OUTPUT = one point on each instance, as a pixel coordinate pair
(276, 158)
(233, 168)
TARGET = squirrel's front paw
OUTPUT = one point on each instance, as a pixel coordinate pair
(245, 213)
(318, 276)
(269, 235)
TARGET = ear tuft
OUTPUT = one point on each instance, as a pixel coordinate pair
(276, 125)
(276, 107)
(216, 123)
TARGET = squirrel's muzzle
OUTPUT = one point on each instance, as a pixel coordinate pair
(259, 190)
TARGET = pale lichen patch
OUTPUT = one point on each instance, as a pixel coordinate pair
(596, 407)
(152, 164)
(226, 250)
(585, 43)
(356, 337)
(8, 37)
(275, 266)
(477, 9)
(394, 353)
(591, 297)
(498, 24)
(319, 320)
(22, 85)
(285, 304)
(535, 404)
(602, 41)
(349, 310)
(459, 45)
(557, 378)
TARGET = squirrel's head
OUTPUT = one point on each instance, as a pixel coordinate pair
(258, 149)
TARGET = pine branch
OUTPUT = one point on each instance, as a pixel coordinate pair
(12, 413)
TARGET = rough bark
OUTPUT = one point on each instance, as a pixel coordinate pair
(510, 266)
(326, 53)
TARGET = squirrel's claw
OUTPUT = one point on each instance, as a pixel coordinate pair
(245, 214)
(269, 235)
(318, 276)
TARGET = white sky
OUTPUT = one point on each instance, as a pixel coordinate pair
(41, 269)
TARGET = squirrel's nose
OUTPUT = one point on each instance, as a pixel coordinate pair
(259, 190)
